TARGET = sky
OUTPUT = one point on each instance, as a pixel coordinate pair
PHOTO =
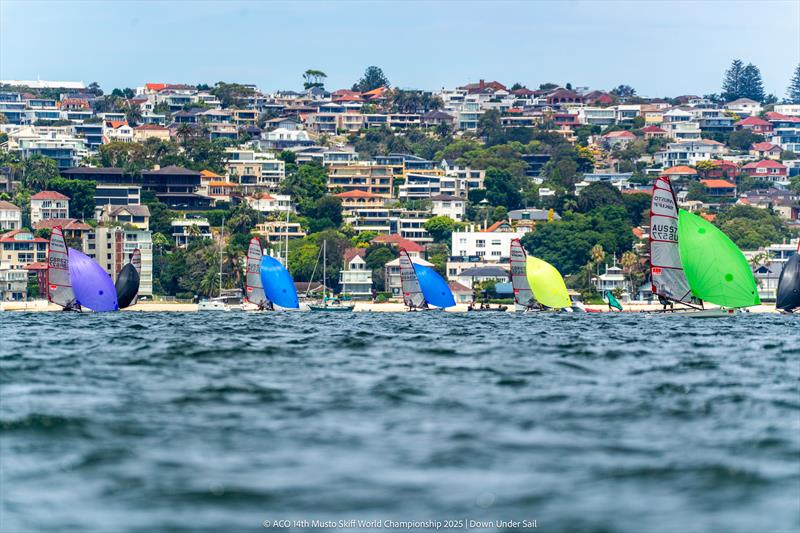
(661, 48)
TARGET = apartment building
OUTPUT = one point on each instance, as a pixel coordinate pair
(49, 204)
(112, 248)
(374, 179)
(254, 171)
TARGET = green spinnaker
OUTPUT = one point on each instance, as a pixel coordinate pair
(716, 269)
(613, 302)
(547, 284)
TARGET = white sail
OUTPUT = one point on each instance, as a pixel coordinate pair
(136, 261)
(59, 285)
(666, 271)
(523, 295)
(412, 293)
(255, 287)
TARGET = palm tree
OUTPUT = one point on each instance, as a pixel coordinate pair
(628, 261)
(598, 255)
(184, 132)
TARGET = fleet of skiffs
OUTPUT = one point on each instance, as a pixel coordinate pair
(692, 262)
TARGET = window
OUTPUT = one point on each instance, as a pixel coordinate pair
(480, 243)
(496, 253)
(480, 253)
(496, 242)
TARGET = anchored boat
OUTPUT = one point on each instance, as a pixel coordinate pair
(423, 288)
(329, 303)
(788, 297)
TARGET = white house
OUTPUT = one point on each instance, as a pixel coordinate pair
(449, 206)
(10, 216)
(186, 230)
(356, 278)
(744, 107)
(49, 204)
(689, 152)
(492, 244)
(270, 203)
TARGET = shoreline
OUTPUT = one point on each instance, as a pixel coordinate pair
(42, 306)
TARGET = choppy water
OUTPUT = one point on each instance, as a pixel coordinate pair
(177, 422)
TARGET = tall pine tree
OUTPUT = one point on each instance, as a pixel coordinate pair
(793, 92)
(732, 84)
(752, 86)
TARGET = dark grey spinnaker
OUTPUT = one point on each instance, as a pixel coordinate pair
(789, 285)
(127, 284)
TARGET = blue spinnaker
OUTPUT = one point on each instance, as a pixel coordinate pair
(434, 288)
(278, 283)
(92, 285)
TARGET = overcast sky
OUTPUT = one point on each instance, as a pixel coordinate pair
(659, 47)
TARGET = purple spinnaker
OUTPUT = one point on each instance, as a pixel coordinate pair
(92, 285)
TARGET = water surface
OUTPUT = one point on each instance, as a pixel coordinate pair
(179, 422)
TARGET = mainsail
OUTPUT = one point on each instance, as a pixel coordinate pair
(547, 284)
(666, 270)
(434, 287)
(128, 279)
(716, 269)
(409, 283)
(788, 298)
(523, 295)
(278, 284)
(255, 288)
(59, 285)
(92, 285)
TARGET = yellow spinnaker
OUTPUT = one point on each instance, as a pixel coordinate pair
(547, 283)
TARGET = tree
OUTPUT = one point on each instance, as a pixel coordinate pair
(314, 78)
(306, 185)
(231, 94)
(94, 88)
(637, 206)
(752, 86)
(376, 258)
(793, 92)
(489, 127)
(37, 171)
(597, 195)
(623, 91)
(752, 228)
(732, 83)
(440, 228)
(373, 78)
(327, 208)
(81, 195)
(502, 188)
(743, 139)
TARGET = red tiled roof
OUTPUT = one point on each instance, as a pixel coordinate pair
(8, 206)
(357, 194)
(619, 135)
(49, 195)
(38, 265)
(151, 127)
(155, 86)
(65, 223)
(718, 184)
(679, 170)
(709, 216)
(765, 146)
(410, 246)
(221, 184)
(9, 236)
(653, 129)
(209, 174)
(780, 117)
(350, 253)
(764, 163)
(117, 123)
(458, 288)
(752, 121)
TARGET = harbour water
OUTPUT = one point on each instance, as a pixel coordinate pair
(187, 422)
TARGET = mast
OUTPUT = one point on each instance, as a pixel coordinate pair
(324, 268)
(221, 242)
